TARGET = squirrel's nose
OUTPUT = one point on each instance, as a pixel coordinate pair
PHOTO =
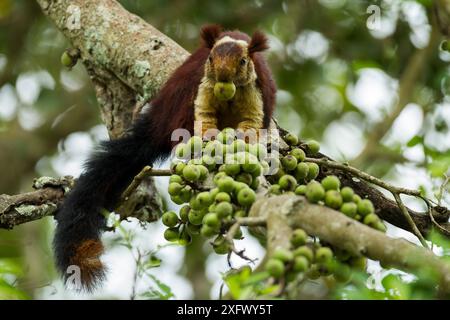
(222, 77)
(224, 73)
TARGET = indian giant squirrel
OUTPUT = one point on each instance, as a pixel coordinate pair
(230, 57)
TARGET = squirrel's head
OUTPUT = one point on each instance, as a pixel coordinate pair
(231, 55)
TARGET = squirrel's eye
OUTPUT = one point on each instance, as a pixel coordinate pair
(243, 62)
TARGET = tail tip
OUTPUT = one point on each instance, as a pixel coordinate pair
(85, 271)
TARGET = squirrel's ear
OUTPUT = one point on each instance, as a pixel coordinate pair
(209, 34)
(259, 42)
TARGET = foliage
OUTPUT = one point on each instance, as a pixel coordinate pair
(10, 271)
(144, 263)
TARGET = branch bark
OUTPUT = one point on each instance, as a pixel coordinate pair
(26, 207)
(287, 212)
(122, 53)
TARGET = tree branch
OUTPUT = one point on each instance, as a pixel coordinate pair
(289, 212)
(387, 209)
(26, 207)
(30, 206)
(122, 53)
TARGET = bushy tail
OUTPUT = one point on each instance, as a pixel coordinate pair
(107, 173)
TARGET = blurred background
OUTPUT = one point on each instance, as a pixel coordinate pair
(368, 79)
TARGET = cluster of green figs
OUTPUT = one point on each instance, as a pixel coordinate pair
(217, 181)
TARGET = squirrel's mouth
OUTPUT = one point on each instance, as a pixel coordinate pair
(224, 91)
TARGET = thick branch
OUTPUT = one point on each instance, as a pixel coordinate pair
(121, 52)
(113, 39)
(339, 230)
(26, 207)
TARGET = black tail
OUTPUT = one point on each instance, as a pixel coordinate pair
(107, 173)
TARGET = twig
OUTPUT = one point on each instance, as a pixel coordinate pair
(435, 223)
(147, 171)
(248, 222)
(442, 189)
(136, 274)
(405, 212)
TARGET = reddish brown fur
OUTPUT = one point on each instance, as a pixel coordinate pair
(267, 86)
(174, 103)
(235, 35)
(258, 43)
(209, 34)
(87, 258)
(173, 106)
(228, 48)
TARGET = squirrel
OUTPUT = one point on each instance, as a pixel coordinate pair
(225, 59)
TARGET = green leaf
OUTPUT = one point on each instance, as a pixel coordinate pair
(11, 266)
(166, 290)
(414, 141)
(152, 262)
(233, 283)
(256, 277)
(362, 64)
(439, 167)
(9, 292)
(396, 287)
